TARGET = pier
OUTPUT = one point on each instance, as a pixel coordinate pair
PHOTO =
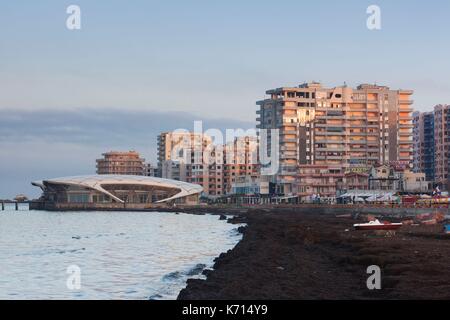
(16, 204)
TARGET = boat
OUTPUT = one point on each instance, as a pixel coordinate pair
(377, 225)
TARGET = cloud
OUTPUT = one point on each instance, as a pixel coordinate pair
(51, 143)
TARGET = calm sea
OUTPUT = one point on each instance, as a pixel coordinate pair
(108, 255)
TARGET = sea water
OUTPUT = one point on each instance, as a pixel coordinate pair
(106, 255)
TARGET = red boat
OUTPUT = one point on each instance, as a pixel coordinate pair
(377, 225)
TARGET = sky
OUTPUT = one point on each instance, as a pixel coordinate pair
(173, 62)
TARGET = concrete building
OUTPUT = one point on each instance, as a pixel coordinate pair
(122, 163)
(416, 141)
(415, 182)
(240, 161)
(195, 159)
(113, 192)
(424, 144)
(250, 185)
(322, 180)
(442, 146)
(385, 178)
(151, 171)
(181, 157)
(339, 126)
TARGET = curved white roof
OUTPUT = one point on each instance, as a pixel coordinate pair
(96, 182)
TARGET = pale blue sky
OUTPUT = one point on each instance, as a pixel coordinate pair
(215, 58)
(209, 59)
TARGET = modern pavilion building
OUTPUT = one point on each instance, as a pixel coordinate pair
(113, 192)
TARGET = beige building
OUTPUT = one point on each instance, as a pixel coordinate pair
(193, 158)
(180, 157)
(321, 180)
(240, 161)
(415, 182)
(338, 126)
(121, 163)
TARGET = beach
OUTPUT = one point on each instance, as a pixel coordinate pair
(297, 254)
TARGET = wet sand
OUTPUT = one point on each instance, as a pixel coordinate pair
(295, 255)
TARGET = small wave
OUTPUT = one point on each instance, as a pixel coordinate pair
(155, 297)
(173, 276)
(196, 270)
(176, 275)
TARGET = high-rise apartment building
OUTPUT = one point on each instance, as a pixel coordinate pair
(240, 160)
(123, 163)
(192, 157)
(180, 157)
(442, 145)
(416, 141)
(424, 144)
(337, 126)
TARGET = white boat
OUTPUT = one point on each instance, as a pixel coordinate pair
(377, 225)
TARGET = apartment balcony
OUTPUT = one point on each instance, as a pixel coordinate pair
(329, 133)
(326, 125)
(408, 102)
(288, 150)
(362, 117)
(290, 107)
(356, 110)
(357, 142)
(320, 175)
(284, 140)
(288, 132)
(329, 117)
(336, 133)
(330, 185)
(334, 157)
(284, 156)
(332, 149)
(330, 141)
(359, 125)
(287, 173)
(287, 181)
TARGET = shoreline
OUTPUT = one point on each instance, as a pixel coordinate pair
(292, 254)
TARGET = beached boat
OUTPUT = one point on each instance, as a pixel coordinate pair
(377, 225)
